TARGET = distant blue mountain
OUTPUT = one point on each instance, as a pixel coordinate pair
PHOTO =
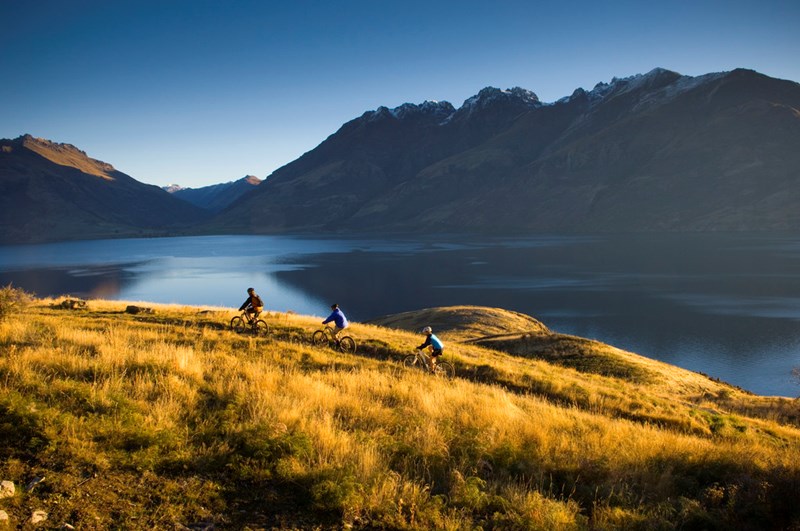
(216, 197)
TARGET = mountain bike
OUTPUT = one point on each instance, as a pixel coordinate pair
(422, 360)
(325, 336)
(245, 321)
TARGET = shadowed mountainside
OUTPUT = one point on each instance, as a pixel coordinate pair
(51, 191)
(651, 152)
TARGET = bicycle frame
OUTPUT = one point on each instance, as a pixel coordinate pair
(250, 318)
(330, 332)
(424, 360)
(246, 321)
(345, 343)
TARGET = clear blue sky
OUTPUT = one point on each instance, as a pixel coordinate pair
(199, 92)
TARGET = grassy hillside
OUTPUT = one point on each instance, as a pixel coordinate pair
(169, 420)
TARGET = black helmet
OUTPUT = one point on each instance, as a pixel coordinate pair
(334, 306)
(250, 290)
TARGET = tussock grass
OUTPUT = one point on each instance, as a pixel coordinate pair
(145, 421)
(464, 322)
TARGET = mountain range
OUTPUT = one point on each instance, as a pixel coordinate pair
(652, 152)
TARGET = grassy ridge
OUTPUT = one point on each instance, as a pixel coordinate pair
(143, 422)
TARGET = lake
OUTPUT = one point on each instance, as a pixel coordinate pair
(727, 305)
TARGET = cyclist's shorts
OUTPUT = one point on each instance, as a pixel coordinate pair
(437, 352)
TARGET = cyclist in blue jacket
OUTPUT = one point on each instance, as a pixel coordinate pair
(339, 322)
(434, 343)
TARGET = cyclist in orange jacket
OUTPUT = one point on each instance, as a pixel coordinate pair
(253, 305)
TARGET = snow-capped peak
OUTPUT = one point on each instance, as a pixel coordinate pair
(489, 95)
(436, 109)
(442, 109)
(660, 82)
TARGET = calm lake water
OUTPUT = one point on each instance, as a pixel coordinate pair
(727, 305)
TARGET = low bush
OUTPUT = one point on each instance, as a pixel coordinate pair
(13, 300)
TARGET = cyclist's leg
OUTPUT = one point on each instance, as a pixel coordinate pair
(434, 356)
(331, 329)
(425, 357)
(336, 332)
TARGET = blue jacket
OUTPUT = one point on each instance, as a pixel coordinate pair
(434, 341)
(337, 316)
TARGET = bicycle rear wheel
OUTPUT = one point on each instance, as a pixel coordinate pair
(444, 370)
(347, 344)
(319, 338)
(261, 328)
(237, 324)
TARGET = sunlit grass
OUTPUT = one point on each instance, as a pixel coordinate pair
(171, 417)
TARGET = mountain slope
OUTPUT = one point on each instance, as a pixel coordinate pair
(218, 196)
(659, 151)
(51, 191)
(173, 420)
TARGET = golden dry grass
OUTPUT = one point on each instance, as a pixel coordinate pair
(148, 421)
(462, 323)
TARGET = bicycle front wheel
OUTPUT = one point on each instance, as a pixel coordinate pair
(411, 360)
(319, 338)
(444, 370)
(261, 328)
(237, 324)
(347, 344)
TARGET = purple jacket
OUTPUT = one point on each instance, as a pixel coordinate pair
(337, 316)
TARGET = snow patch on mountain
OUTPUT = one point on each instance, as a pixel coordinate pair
(439, 110)
(663, 85)
(436, 108)
(491, 95)
(657, 85)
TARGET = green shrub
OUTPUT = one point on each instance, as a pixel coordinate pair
(335, 494)
(13, 300)
(21, 432)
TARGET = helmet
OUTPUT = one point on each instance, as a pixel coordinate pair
(250, 290)
(427, 330)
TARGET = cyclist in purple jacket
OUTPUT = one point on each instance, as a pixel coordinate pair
(339, 322)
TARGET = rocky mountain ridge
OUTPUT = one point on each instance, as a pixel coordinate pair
(653, 152)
